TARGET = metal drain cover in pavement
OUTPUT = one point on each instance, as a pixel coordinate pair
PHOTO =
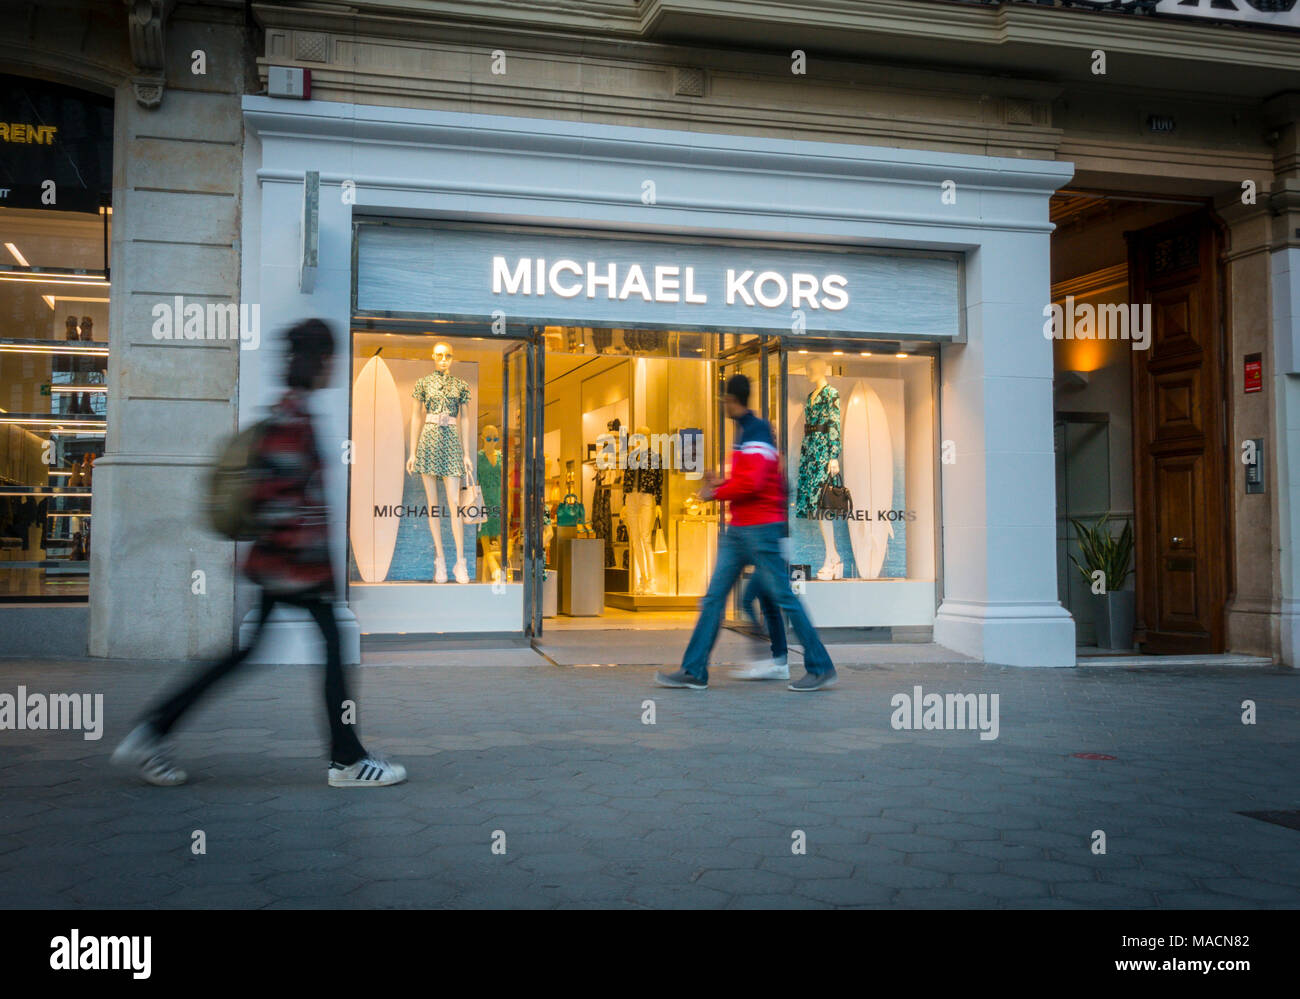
(1289, 819)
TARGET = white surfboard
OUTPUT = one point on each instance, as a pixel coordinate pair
(867, 461)
(379, 472)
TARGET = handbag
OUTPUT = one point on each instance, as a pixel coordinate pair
(570, 512)
(835, 497)
(661, 543)
(471, 501)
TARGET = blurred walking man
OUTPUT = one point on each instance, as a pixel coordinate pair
(290, 560)
(757, 494)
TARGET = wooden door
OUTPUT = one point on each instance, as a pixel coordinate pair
(1179, 439)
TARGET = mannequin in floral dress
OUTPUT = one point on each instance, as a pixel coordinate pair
(819, 460)
(440, 450)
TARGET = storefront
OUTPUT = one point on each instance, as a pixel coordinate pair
(56, 152)
(550, 308)
(621, 345)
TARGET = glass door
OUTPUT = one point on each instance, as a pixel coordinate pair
(750, 360)
(521, 495)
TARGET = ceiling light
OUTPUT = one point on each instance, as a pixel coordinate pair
(866, 353)
(17, 256)
(900, 354)
(57, 279)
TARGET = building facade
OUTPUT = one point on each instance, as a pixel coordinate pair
(1001, 270)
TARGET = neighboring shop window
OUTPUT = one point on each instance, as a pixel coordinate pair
(429, 431)
(861, 464)
(55, 185)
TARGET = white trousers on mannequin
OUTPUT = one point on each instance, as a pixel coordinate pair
(639, 515)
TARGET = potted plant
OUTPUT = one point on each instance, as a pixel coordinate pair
(1112, 555)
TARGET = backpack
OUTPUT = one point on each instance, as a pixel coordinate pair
(231, 510)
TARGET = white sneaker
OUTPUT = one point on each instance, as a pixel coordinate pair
(439, 571)
(372, 771)
(144, 751)
(460, 572)
(764, 669)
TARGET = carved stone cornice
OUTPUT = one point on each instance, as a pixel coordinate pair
(146, 21)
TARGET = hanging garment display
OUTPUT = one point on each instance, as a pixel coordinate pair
(821, 444)
(602, 516)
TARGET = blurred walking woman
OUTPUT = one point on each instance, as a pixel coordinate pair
(290, 561)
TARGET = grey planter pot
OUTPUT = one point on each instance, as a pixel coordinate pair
(1115, 614)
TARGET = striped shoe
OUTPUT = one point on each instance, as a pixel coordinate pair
(370, 771)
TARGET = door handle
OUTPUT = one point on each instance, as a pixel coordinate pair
(1176, 541)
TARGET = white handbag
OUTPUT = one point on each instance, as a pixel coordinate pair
(471, 501)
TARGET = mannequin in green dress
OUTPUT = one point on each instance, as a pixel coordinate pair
(489, 478)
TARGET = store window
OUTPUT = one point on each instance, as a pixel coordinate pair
(436, 493)
(861, 425)
(55, 217)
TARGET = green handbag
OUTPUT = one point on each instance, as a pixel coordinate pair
(570, 513)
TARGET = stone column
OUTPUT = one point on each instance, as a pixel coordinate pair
(161, 583)
(1251, 617)
(999, 496)
(1284, 378)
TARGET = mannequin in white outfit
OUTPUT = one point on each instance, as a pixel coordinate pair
(642, 491)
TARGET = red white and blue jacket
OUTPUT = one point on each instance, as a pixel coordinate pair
(756, 486)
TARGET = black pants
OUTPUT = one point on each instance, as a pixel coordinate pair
(345, 747)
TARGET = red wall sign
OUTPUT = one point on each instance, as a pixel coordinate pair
(1254, 373)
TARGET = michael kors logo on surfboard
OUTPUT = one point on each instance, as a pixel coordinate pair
(892, 516)
(398, 510)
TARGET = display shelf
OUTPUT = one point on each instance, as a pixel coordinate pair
(7, 490)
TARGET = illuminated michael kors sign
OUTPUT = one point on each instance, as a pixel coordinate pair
(667, 283)
(554, 277)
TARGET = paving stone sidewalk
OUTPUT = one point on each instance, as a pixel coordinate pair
(697, 810)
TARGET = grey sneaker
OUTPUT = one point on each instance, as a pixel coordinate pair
(144, 751)
(815, 681)
(681, 679)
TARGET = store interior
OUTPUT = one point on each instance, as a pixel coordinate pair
(54, 295)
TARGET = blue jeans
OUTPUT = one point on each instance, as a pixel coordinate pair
(760, 547)
(772, 618)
